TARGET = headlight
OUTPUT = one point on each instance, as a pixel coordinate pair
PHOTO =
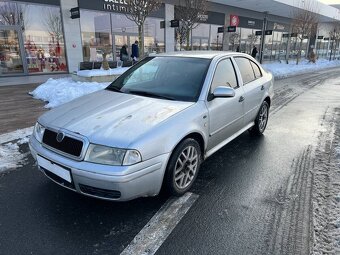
(38, 132)
(111, 156)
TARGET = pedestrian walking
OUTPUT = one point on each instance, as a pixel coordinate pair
(123, 55)
(135, 52)
(238, 49)
(254, 52)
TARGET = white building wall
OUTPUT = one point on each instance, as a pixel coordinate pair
(72, 35)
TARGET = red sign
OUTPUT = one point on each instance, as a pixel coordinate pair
(234, 20)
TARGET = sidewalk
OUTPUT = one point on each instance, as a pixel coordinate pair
(18, 109)
(34, 79)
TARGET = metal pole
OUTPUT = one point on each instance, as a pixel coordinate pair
(264, 27)
(332, 38)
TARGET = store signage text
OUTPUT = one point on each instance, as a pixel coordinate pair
(278, 26)
(203, 17)
(115, 5)
(251, 23)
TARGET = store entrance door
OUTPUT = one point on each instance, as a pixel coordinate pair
(11, 51)
(123, 39)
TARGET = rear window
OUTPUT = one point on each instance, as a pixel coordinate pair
(246, 69)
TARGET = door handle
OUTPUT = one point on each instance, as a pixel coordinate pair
(241, 99)
(262, 87)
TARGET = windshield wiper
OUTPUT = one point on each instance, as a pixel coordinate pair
(149, 94)
(115, 89)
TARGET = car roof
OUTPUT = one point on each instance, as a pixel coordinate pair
(200, 54)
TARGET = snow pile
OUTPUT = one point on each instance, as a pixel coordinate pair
(10, 155)
(283, 70)
(102, 72)
(60, 91)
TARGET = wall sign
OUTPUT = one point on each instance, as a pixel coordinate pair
(231, 29)
(174, 23)
(257, 33)
(320, 37)
(220, 29)
(75, 13)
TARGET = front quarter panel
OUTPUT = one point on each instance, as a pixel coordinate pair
(166, 136)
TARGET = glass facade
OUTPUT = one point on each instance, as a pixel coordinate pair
(31, 39)
(109, 32)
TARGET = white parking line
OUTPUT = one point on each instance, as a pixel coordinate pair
(156, 231)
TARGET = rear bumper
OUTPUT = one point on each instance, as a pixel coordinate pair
(120, 183)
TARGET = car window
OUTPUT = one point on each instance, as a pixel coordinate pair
(176, 78)
(257, 70)
(246, 70)
(224, 75)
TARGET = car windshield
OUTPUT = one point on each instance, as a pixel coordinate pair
(172, 78)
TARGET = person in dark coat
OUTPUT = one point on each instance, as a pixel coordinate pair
(123, 54)
(254, 52)
(238, 49)
(135, 52)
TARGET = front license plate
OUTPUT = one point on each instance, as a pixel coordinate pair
(57, 170)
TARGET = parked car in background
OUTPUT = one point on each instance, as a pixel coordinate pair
(154, 125)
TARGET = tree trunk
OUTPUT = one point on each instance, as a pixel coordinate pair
(299, 52)
(188, 39)
(141, 40)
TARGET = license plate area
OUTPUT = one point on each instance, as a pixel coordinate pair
(62, 174)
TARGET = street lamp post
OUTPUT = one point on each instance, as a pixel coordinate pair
(264, 28)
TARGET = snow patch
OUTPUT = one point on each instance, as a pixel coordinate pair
(283, 70)
(59, 91)
(15, 135)
(102, 72)
(10, 155)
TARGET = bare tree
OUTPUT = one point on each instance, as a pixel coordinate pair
(189, 13)
(181, 35)
(138, 11)
(234, 39)
(13, 14)
(304, 22)
(53, 24)
(252, 39)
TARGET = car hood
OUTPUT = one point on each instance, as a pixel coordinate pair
(111, 118)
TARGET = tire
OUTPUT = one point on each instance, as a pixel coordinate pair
(261, 120)
(181, 172)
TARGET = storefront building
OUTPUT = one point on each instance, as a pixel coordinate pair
(39, 36)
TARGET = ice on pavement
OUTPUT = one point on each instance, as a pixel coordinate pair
(10, 155)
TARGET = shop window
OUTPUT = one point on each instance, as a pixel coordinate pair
(43, 39)
(96, 35)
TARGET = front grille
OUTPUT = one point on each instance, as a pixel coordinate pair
(68, 145)
(57, 179)
(104, 193)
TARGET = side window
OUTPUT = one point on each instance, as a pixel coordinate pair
(245, 69)
(257, 70)
(224, 75)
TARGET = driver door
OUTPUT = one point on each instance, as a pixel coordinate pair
(226, 115)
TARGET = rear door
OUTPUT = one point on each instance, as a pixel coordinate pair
(225, 114)
(254, 90)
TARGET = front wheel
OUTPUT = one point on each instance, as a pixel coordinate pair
(183, 167)
(261, 120)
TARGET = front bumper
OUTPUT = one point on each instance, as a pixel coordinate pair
(120, 183)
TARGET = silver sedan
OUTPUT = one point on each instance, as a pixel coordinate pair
(154, 125)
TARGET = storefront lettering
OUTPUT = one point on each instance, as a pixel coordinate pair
(278, 26)
(115, 5)
(251, 23)
(117, 1)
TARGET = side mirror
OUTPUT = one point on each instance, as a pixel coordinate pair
(222, 91)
